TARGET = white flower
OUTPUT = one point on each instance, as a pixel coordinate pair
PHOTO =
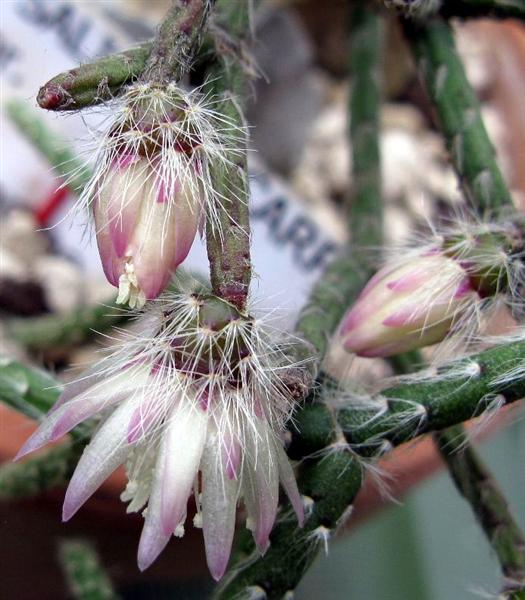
(152, 184)
(196, 391)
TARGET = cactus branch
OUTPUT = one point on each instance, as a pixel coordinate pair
(95, 82)
(328, 485)
(32, 392)
(475, 482)
(28, 390)
(365, 203)
(86, 578)
(339, 285)
(166, 58)
(56, 151)
(51, 468)
(228, 240)
(462, 390)
(177, 40)
(74, 328)
(345, 277)
(458, 113)
(48, 332)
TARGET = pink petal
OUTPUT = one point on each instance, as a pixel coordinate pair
(41, 436)
(127, 189)
(409, 281)
(111, 264)
(464, 288)
(82, 408)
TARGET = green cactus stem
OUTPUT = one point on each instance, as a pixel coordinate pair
(32, 392)
(475, 482)
(57, 152)
(28, 390)
(365, 202)
(329, 486)
(177, 41)
(49, 469)
(92, 83)
(85, 575)
(345, 277)
(71, 329)
(458, 114)
(228, 236)
(460, 391)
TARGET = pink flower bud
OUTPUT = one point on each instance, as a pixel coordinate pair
(146, 220)
(408, 305)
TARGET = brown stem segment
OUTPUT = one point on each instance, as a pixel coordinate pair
(476, 484)
(177, 40)
(228, 234)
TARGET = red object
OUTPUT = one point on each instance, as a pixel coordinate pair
(50, 205)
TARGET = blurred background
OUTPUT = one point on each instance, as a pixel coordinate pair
(423, 542)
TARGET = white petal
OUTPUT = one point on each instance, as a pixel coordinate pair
(219, 502)
(184, 442)
(153, 540)
(261, 485)
(106, 451)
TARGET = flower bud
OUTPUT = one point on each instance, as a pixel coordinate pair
(146, 220)
(412, 304)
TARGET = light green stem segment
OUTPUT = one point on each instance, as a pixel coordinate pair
(335, 291)
(177, 40)
(463, 389)
(101, 80)
(60, 331)
(32, 392)
(49, 332)
(343, 280)
(51, 468)
(475, 482)
(459, 115)
(228, 232)
(92, 83)
(28, 390)
(365, 206)
(46, 141)
(86, 578)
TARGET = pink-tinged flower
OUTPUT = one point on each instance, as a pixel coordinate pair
(146, 219)
(409, 305)
(152, 184)
(193, 406)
